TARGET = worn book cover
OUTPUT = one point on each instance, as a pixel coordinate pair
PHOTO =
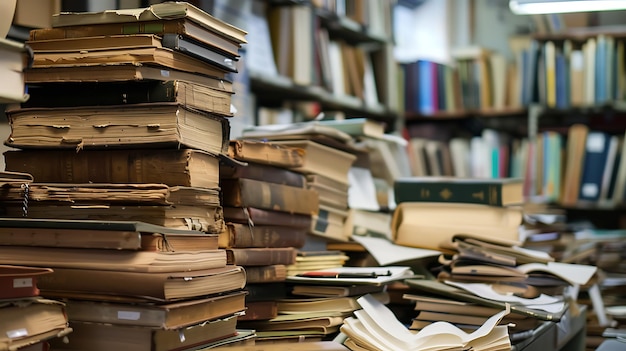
(250, 150)
(261, 256)
(262, 172)
(258, 216)
(240, 235)
(20, 281)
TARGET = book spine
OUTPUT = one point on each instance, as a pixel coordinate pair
(242, 235)
(264, 173)
(261, 257)
(148, 27)
(266, 274)
(476, 193)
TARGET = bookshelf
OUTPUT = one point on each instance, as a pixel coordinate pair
(340, 60)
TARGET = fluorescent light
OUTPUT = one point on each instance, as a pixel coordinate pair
(535, 7)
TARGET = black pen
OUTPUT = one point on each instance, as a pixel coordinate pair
(336, 275)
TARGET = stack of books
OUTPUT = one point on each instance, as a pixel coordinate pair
(328, 157)
(268, 211)
(27, 320)
(124, 150)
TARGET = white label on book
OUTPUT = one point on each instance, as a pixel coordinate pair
(128, 315)
(17, 333)
(577, 60)
(22, 283)
(589, 190)
(165, 73)
(595, 142)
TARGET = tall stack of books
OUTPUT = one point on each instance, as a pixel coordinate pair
(123, 136)
(268, 211)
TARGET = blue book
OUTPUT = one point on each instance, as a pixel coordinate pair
(600, 71)
(425, 92)
(596, 151)
(561, 81)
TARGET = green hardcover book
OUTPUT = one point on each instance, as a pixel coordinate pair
(493, 192)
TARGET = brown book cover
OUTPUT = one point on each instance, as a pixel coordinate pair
(261, 172)
(259, 310)
(253, 193)
(12, 177)
(261, 256)
(117, 260)
(173, 167)
(207, 219)
(158, 27)
(257, 216)
(116, 235)
(106, 337)
(144, 285)
(99, 127)
(266, 274)
(168, 316)
(244, 235)
(20, 281)
(266, 153)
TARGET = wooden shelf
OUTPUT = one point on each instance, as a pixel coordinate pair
(582, 34)
(464, 114)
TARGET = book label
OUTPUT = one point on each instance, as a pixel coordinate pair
(17, 333)
(22, 283)
(128, 315)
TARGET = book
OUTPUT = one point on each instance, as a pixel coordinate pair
(145, 286)
(70, 94)
(115, 235)
(344, 304)
(150, 55)
(270, 196)
(162, 11)
(20, 281)
(199, 50)
(374, 276)
(262, 172)
(10, 177)
(100, 337)
(261, 256)
(118, 260)
(493, 192)
(180, 26)
(29, 321)
(266, 274)
(259, 310)
(321, 323)
(574, 162)
(15, 58)
(596, 153)
(427, 224)
(173, 167)
(258, 216)
(240, 235)
(168, 316)
(265, 291)
(120, 72)
(335, 291)
(319, 158)
(357, 127)
(265, 152)
(304, 346)
(145, 125)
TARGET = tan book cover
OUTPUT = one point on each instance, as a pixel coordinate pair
(266, 152)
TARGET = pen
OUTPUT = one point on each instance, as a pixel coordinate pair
(342, 275)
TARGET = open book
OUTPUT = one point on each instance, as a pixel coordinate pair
(376, 328)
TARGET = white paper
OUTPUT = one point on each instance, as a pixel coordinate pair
(572, 273)
(397, 273)
(385, 252)
(7, 10)
(362, 191)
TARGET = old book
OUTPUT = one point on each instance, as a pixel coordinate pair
(261, 256)
(173, 167)
(12, 177)
(168, 316)
(335, 291)
(162, 11)
(323, 160)
(120, 72)
(266, 152)
(100, 337)
(324, 323)
(262, 172)
(116, 235)
(266, 291)
(15, 57)
(329, 223)
(181, 26)
(144, 285)
(113, 193)
(240, 235)
(257, 216)
(357, 127)
(259, 310)
(145, 125)
(203, 218)
(266, 274)
(447, 305)
(427, 224)
(25, 322)
(253, 193)
(20, 281)
(330, 197)
(200, 51)
(70, 94)
(493, 192)
(318, 305)
(120, 260)
(318, 179)
(150, 55)
(287, 346)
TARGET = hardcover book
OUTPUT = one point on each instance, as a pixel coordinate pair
(261, 256)
(173, 167)
(257, 216)
(20, 281)
(262, 172)
(493, 192)
(266, 152)
(240, 235)
(99, 127)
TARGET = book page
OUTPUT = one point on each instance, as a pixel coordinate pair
(572, 273)
(385, 252)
